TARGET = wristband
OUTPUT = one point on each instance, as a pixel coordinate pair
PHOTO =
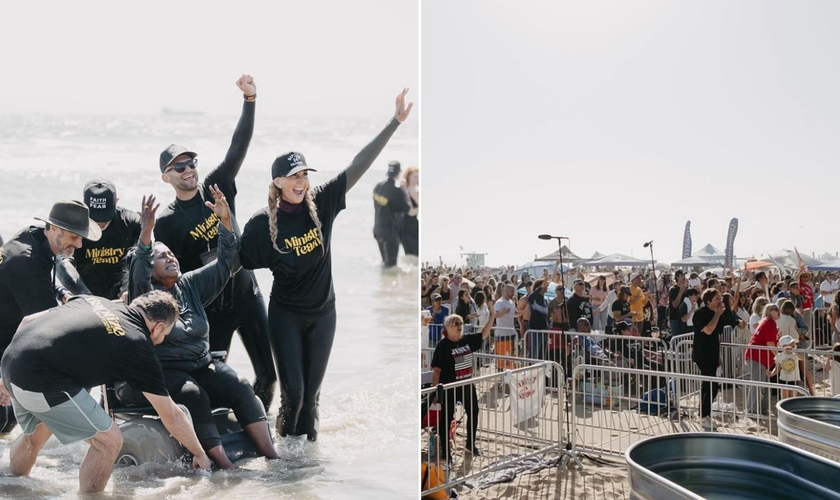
(250, 98)
(147, 248)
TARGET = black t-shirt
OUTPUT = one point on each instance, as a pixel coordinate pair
(539, 311)
(101, 264)
(88, 342)
(622, 306)
(579, 307)
(190, 228)
(390, 203)
(26, 284)
(674, 312)
(303, 271)
(706, 349)
(455, 359)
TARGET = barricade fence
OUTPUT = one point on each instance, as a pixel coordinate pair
(613, 407)
(509, 416)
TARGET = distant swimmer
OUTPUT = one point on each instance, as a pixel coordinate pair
(292, 236)
(27, 269)
(56, 354)
(189, 229)
(99, 266)
(390, 204)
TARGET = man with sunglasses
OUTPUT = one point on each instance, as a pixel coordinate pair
(189, 229)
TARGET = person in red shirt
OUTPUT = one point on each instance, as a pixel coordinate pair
(760, 360)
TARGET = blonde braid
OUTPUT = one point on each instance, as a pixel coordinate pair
(313, 213)
(273, 197)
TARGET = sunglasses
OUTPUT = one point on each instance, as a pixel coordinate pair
(182, 165)
(458, 324)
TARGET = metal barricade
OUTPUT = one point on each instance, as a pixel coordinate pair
(435, 333)
(517, 416)
(812, 366)
(613, 407)
(821, 328)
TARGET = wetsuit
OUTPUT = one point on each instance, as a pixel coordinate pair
(390, 204)
(192, 377)
(100, 265)
(26, 287)
(410, 234)
(188, 228)
(302, 306)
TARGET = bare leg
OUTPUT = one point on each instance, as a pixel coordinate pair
(258, 432)
(25, 448)
(219, 457)
(99, 460)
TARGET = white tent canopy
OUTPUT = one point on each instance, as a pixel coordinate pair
(568, 256)
(618, 260)
(787, 259)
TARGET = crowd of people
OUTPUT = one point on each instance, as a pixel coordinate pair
(800, 309)
(100, 294)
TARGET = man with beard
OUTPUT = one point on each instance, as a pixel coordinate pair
(27, 271)
(189, 228)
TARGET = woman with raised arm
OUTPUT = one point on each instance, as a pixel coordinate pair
(191, 376)
(292, 237)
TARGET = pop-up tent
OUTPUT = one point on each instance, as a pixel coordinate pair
(568, 256)
(617, 260)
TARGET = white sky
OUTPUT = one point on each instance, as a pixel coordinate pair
(307, 57)
(613, 123)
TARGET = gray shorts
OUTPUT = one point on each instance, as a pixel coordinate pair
(78, 418)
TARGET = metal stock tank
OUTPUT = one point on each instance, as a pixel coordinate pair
(721, 466)
(812, 424)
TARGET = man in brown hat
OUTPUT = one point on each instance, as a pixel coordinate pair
(27, 269)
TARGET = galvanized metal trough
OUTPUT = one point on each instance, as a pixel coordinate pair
(811, 424)
(720, 466)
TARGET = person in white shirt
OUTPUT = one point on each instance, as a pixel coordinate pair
(505, 332)
(834, 370)
(758, 309)
(828, 288)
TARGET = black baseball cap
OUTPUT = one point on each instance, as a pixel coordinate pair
(288, 164)
(393, 168)
(171, 152)
(101, 198)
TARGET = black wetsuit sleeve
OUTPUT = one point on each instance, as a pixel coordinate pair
(235, 156)
(398, 199)
(209, 280)
(362, 162)
(140, 272)
(68, 276)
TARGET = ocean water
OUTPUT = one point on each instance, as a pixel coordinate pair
(369, 412)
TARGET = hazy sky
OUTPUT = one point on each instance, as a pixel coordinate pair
(313, 57)
(613, 123)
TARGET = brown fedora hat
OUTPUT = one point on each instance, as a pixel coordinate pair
(73, 216)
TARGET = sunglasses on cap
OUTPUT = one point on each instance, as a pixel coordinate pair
(182, 165)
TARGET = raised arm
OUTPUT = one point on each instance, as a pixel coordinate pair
(141, 264)
(209, 280)
(362, 162)
(244, 129)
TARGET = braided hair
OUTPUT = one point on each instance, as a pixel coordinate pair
(273, 203)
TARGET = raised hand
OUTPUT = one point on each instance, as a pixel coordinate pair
(402, 110)
(221, 207)
(148, 210)
(246, 85)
